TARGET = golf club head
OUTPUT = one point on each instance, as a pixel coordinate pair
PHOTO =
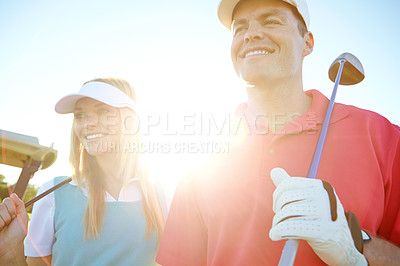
(353, 71)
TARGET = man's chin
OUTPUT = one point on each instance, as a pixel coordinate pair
(254, 79)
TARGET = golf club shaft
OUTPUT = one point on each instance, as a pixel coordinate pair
(28, 203)
(289, 251)
(312, 173)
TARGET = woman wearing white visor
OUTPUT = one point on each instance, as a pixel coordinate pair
(111, 213)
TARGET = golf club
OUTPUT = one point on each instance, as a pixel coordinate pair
(30, 202)
(345, 70)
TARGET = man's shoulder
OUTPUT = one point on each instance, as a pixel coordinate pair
(370, 121)
(366, 115)
(351, 110)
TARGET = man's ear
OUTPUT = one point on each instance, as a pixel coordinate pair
(308, 44)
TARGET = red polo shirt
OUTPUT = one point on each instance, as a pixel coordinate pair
(222, 214)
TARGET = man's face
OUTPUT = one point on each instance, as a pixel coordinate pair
(266, 45)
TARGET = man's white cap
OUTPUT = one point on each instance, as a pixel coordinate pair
(99, 91)
(226, 7)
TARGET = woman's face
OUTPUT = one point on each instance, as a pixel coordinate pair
(97, 126)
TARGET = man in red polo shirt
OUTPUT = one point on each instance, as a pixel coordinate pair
(233, 211)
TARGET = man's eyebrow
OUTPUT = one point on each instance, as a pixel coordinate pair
(273, 12)
(238, 22)
(99, 105)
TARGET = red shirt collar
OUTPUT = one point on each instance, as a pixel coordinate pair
(308, 121)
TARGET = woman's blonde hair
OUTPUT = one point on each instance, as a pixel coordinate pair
(87, 172)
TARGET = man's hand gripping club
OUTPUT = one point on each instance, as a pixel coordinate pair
(309, 209)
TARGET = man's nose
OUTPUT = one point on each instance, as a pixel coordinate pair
(254, 32)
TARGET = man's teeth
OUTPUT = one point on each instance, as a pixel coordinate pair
(257, 52)
(90, 137)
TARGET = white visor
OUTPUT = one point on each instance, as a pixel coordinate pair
(99, 91)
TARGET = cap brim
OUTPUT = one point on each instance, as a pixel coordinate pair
(67, 104)
(225, 12)
(98, 91)
(226, 8)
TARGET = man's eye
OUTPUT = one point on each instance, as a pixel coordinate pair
(272, 22)
(238, 30)
(79, 116)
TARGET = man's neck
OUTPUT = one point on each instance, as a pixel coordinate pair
(276, 106)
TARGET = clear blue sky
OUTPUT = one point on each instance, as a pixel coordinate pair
(175, 53)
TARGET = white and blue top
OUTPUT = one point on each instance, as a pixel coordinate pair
(57, 229)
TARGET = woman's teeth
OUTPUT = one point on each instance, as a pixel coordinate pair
(94, 136)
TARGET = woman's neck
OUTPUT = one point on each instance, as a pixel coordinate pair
(112, 173)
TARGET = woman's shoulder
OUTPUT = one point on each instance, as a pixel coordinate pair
(51, 183)
(59, 179)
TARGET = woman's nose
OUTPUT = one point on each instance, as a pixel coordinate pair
(91, 120)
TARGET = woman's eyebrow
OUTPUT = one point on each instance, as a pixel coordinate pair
(96, 106)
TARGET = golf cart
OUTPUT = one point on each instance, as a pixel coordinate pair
(24, 152)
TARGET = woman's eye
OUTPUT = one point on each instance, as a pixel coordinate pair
(107, 114)
(103, 111)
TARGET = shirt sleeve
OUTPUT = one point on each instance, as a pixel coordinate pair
(165, 194)
(390, 226)
(40, 237)
(184, 240)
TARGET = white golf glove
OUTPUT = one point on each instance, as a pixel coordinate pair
(309, 209)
